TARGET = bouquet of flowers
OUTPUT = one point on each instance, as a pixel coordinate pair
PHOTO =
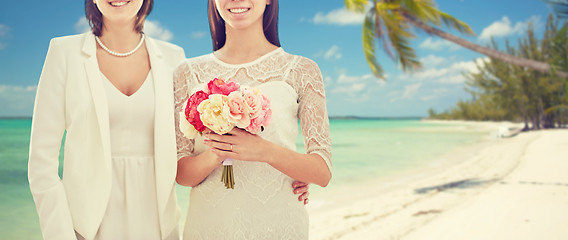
(220, 106)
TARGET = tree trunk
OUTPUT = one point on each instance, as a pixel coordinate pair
(526, 128)
(523, 62)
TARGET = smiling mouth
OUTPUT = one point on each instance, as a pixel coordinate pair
(118, 4)
(239, 10)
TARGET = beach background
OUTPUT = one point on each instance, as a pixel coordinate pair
(379, 154)
(393, 178)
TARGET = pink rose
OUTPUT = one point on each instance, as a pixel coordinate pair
(255, 125)
(253, 102)
(264, 117)
(191, 113)
(219, 86)
(235, 110)
(267, 111)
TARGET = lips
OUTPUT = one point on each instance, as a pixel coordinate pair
(118, 3)
(238, 10)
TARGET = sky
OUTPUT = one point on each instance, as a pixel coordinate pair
(321, 30)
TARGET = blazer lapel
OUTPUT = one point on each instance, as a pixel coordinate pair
(165, 156)
(98, 94)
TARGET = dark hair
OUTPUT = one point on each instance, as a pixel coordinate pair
(95, 17)
(217, 25)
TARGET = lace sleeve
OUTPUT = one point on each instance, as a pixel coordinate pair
(182, 81)
(312, 110)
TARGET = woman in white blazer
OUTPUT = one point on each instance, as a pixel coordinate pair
(117, 111)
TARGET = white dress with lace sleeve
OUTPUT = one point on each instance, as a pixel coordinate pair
(262, 204)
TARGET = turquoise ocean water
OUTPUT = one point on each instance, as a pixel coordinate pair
(362, 149)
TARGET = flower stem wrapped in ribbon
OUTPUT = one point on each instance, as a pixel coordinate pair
(221, 106)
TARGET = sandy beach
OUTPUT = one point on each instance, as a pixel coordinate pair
(503, 188)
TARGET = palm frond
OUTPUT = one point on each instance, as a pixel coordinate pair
(399, 35)
(450, 21)
(421, 9)
(356, 5)
(381, 36)
(369, 46)
(560, 7)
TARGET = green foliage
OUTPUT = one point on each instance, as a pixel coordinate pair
(369, 46)
(502, 91)
(356, 5)
(560, 7)
(390, 23)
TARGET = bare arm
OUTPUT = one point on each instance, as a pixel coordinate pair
(312, 167)
(308, 168)
(192, 170)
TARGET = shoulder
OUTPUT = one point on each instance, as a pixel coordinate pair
(307, 63)
(302, 63)
(69, 41)
(71, 38)
(67, 48)
(185, 65)
(190, 63)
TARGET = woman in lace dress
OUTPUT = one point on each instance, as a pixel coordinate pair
(261, 205)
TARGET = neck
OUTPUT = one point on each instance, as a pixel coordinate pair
(243, 45)
(120, 37)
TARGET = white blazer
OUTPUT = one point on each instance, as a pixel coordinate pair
(71, 97)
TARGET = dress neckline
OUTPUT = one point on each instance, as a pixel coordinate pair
(266, 55)
(123, 94)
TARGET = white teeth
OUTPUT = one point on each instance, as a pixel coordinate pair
(118, 4)
(238, 10)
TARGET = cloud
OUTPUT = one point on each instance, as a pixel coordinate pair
(355, 88)
(352, 89)
(4, 33)
(198, 35)
(453, 79)
(410, 90)
(504, 27)
(17, 101)
(435, 93)
(333, 53)
(4, 30)
(339, 16)
(455, 72)
(82, 25)
(452, 74)
(155, 30)
(432, 60)
(343, 78)
(438, 44)
(327, 80)
(500, 28)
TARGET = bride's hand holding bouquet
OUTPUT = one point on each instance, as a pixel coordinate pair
(235, 114)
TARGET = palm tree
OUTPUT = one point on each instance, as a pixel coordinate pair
(560, 7)
(391, 22)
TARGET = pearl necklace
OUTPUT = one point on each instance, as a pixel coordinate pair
(120, 54)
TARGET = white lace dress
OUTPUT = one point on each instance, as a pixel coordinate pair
(262, 205)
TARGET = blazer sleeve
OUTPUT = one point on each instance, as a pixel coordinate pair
(48, 126)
